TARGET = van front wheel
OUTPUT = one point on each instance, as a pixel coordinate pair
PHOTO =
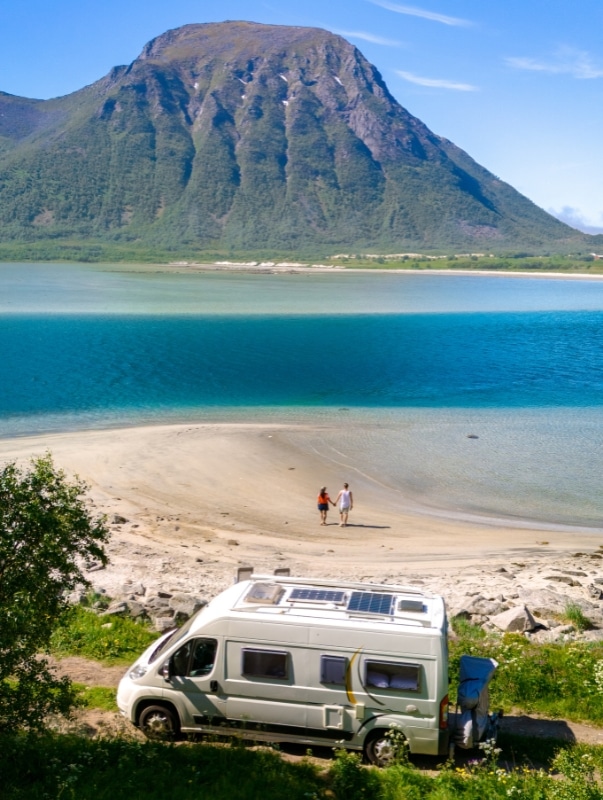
(379, 749)
(158, 722)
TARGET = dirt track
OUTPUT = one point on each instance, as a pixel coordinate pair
(106, 723)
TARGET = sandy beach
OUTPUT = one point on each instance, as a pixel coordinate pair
(201, 500)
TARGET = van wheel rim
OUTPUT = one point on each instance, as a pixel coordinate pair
(383, 751)
(158, 725)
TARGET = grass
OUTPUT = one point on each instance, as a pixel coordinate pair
(555, 680)
(560, 681)
(114, 639)
(99, 697)
(574, 614)
(73, 768)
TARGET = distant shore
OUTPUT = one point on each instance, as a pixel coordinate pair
(293, 267)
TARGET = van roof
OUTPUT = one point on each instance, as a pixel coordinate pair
(329, 602)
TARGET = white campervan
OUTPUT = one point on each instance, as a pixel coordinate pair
(284, 659)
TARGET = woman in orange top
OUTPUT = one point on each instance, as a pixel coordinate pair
(323, 501)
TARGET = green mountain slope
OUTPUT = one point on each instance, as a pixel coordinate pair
(249, 137)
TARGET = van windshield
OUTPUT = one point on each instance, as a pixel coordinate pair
(175, 636)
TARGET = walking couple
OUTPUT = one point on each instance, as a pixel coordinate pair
(344, 500)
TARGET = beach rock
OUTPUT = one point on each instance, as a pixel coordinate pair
(185, 605)
(544, 602)
(515, 620)
(163, 624)
(594, 591)
(562, 579)
(594, 635)
(136, 610)
(479, 606)
(156, 604)
(460, 613)
(117, 519)
(119, 607)
(130, 588)
(544, 636)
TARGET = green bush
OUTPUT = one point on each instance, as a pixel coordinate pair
(46, 533)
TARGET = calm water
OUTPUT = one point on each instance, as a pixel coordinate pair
(398, 369)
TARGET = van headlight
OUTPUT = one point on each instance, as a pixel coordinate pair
(138, 671)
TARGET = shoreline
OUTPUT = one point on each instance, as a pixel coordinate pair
(194, 500)
(288, 268)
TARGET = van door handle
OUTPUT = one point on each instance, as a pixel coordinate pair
(213, 686)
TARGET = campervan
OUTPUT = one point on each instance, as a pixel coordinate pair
(316, 662)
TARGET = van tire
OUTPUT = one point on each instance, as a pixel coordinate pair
(379, 749)
(159, 722)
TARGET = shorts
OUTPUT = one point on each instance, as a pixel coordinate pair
(344, 509)
(323, 506)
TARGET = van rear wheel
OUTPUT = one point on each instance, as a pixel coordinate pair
(158, 722)
(379, 749)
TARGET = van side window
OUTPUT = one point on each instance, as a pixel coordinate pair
(388, 675)
(204, 655)
(195, 658)
(265, 663)
(181, 658)
(333, 669)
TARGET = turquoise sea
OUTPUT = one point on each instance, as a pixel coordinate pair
(471, 396)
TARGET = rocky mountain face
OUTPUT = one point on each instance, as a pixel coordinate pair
(245, 136)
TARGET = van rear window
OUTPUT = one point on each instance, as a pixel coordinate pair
(392, 676)
(265, 664)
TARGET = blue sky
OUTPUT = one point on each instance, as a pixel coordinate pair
(518, 84)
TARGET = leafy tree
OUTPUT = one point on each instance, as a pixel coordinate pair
(46, 535)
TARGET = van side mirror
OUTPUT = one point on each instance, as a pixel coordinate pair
(166, 670)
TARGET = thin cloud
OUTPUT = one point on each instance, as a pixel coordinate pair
(368, 37)
(413, 11)
(566, 61)
(575, 218)
(436, 83)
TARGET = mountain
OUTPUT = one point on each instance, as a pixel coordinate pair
(244, 137)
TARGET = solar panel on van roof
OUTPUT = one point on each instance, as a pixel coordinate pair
(317, 595)
(371, 603)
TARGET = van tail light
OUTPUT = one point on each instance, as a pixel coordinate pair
(444, 713)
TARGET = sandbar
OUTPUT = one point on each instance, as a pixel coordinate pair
(214, 497)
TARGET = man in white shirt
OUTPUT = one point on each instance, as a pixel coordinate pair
(345, 501)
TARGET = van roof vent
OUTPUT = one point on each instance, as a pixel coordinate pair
(372, 603)
(317, 595)
(416, 606)
(264, 593)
